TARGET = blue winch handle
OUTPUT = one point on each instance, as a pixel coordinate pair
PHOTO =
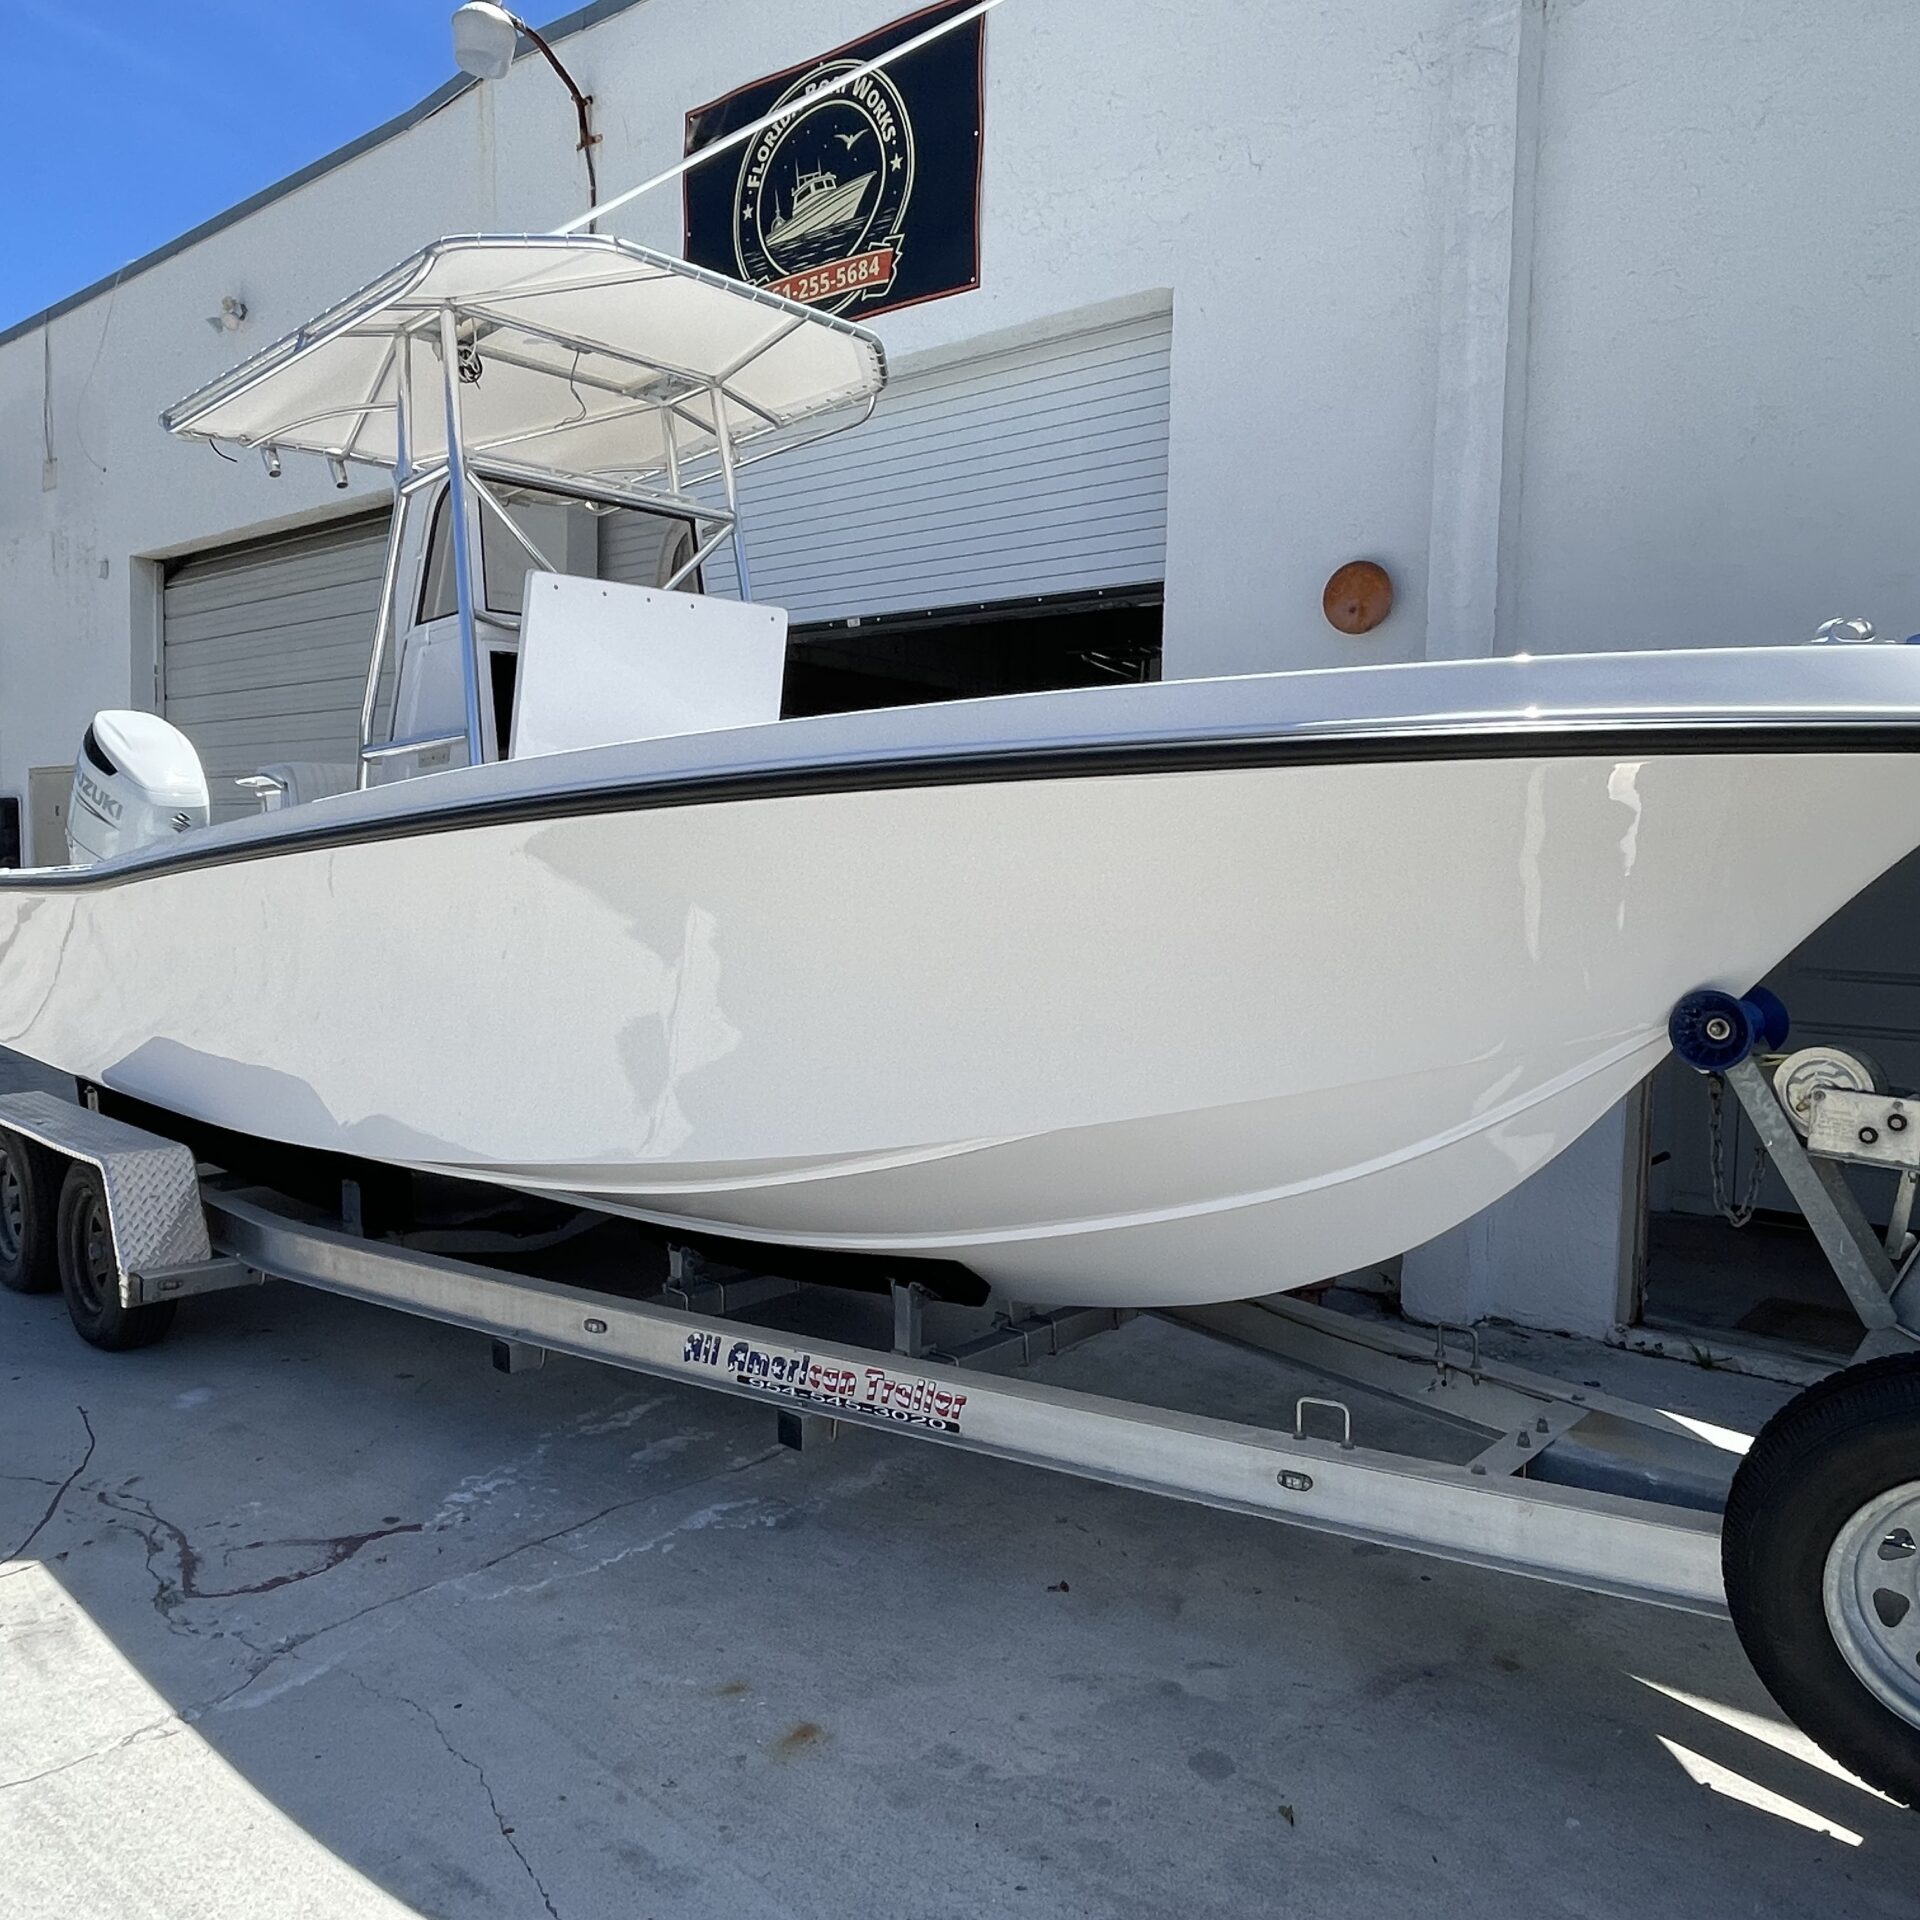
(1712, 1031)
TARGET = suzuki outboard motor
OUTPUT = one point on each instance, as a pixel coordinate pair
(136, 780)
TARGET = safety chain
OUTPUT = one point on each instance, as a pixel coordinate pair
(1735, 1213)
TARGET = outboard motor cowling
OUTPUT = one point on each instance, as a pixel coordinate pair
(136, 779)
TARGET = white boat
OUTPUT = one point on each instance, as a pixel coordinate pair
(1136, 995)
(821, 200)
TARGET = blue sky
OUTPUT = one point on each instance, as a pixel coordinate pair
(124, 122)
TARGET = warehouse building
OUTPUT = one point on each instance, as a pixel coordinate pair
(1586, 326)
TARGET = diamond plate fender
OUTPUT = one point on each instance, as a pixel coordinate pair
(153, 1188)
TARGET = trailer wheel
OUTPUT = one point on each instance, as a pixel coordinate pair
(1821, 1551)
(89, 1275)
(27, 1262)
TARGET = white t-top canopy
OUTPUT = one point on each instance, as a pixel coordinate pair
(580, 356)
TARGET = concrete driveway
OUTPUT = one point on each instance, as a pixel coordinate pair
(313, 1613)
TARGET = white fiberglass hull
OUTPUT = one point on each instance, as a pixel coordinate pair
(1138, 1037)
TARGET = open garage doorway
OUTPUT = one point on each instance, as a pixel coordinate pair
(959, 653)
(1854, 984)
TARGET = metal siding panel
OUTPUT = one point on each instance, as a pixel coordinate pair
(630, 547)
(266, 649)
(1035, 471)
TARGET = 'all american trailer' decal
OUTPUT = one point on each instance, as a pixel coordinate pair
(834, 1389)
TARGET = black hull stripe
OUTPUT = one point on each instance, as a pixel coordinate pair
(995, 765)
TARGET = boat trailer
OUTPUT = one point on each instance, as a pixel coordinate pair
(1534, 1476)
(1815, 1113)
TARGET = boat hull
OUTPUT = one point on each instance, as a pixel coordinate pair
(1136, 1038)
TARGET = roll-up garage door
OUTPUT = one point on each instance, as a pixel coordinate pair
(1031, 471)
(265, 649)
(645, 549)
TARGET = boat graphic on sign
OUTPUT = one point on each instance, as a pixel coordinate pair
(820, 201)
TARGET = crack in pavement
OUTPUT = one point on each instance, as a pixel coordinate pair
(163, 1590)
(621, 1506)
(162, 1729)
(298, 1641)
(335, 1550)
(60, 1492)
(479, 1773)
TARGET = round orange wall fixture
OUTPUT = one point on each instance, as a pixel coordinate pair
(1358, 597)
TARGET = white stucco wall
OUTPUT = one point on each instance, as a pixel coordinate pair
(1713, 427)
(1595, 324)
(1723, 419)
(1276, 175)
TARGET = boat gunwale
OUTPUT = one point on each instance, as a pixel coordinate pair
(322, 825)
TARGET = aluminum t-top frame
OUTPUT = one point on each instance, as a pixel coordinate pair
(577, 366)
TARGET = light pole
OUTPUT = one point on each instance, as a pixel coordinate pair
(486, 38)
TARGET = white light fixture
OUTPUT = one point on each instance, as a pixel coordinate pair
(338, 468)
(485, 39)
(270, 456)
(227, 320)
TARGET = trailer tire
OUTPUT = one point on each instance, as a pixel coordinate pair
(89, 1275)
(27, 1202)
(1821, 1552)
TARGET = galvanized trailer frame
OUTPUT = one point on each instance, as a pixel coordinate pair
(1542, 1496)
(1848, 1129)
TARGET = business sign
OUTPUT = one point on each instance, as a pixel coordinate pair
(858, 200)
